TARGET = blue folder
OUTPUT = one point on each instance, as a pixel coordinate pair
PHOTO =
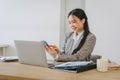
(77, 68)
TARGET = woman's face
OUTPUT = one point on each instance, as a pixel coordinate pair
(76, 24)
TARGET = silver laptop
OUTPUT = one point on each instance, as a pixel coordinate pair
(32, 53)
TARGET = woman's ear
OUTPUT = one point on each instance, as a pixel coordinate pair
(83, 20)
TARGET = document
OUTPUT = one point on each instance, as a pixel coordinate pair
(75, 64)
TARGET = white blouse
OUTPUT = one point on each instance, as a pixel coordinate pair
(76, 38)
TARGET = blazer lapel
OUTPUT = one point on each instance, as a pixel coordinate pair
(77, 44)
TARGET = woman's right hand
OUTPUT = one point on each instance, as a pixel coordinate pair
(52, 50)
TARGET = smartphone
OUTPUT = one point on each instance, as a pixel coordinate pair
(45, 43)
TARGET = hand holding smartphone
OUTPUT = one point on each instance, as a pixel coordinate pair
(46, 44)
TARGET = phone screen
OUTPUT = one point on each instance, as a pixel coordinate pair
(45, 43)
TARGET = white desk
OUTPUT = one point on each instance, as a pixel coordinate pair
(3, 46)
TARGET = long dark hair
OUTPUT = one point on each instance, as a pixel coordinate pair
(81, 15)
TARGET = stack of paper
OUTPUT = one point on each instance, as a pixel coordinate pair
(9, 58)
(113, 66)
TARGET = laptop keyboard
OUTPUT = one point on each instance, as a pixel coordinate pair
(51, 66)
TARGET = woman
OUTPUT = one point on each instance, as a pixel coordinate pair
(78, 44)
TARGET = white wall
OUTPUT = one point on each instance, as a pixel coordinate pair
(29, 20)
(104, 21)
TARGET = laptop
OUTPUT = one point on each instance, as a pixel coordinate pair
(32, 53)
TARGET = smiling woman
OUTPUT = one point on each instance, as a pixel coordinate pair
(66, 7)
(78, 44)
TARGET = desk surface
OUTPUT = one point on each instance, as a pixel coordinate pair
(17, 71)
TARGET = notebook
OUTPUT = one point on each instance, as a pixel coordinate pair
(32, 53)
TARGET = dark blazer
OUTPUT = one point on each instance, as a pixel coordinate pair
(82, 54)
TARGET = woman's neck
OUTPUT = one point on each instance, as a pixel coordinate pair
(76, 33)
